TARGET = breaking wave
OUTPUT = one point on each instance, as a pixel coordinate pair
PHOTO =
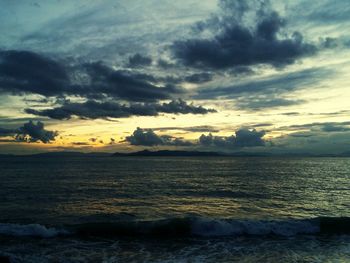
(187, 227)
(33, 230)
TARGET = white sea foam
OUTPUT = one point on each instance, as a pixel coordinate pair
(34, 230)
(191, 226)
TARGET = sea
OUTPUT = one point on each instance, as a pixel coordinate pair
(178, 209)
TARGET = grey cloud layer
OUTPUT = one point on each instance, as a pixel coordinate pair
(240, 35)
(201, 128)
(28, 72)
(117, 59)
(325, 11)
(243, 137)
(321, 126)
(264, 102)
(276, 85)
(94, 110)
(24, 72)
(103, 29)
(268, 92)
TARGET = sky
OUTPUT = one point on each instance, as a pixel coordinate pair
(207, 75)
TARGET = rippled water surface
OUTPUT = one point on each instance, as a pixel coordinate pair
(231, 209)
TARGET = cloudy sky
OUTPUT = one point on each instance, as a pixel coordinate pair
(218, 75)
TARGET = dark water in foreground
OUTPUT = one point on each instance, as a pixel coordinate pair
(105, 209)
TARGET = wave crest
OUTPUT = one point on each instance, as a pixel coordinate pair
(189, 226)
(33, 230)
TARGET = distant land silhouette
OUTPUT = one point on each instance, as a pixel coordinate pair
(173, 153)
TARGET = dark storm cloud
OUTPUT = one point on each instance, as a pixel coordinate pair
(139, 60)
(237, 44)
(181, 106)
(94, 110)
(28, 72)
(242, 138)
(123, 84)
(218, 141)
(147, 137)
(30, 132)
(25, 72)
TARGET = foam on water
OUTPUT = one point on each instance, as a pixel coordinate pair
(190, 226)
(33, 230)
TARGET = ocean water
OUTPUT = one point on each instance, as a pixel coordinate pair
(208, 209)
